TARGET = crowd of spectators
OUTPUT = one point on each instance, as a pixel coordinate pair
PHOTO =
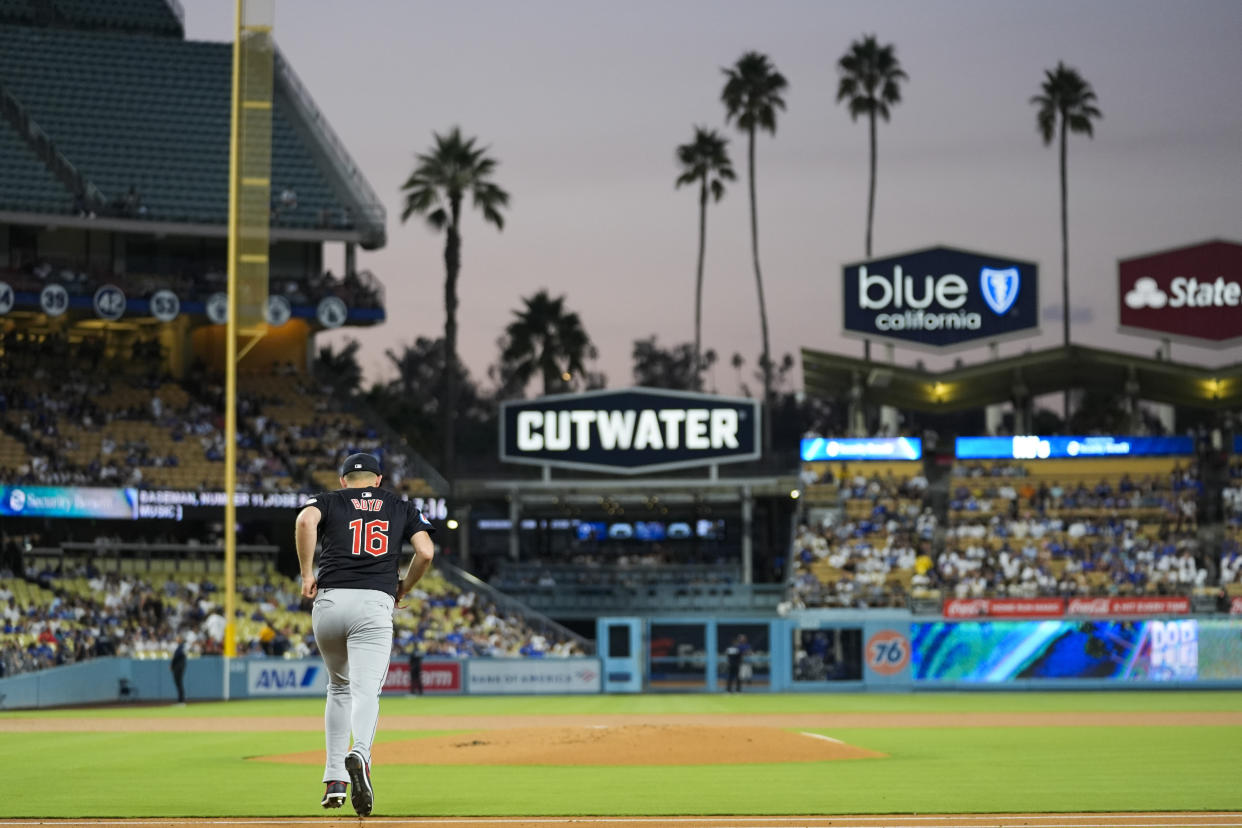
(1231, 550)
(1012, 533)
(74, 611)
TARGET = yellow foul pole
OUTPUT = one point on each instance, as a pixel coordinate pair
(250, 155)
(230, 368)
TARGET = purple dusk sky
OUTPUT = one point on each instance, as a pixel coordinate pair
(583, 103)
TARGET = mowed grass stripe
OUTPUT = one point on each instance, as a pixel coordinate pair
(930, 770)
(929, 702)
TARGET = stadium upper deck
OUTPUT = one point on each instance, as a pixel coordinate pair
(132, 121)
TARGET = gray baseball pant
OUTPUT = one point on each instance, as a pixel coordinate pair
(353, 630)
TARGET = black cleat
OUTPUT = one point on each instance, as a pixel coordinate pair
(334, 796)
(362, 797)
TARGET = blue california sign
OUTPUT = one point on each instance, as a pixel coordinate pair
(940, 297)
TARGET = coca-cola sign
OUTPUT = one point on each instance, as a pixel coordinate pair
(1193, 292)
(1143, 605)
(1004, 608)
(1101, 607)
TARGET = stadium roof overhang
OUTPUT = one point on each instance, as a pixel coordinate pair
(172, 228)
(1024, 376)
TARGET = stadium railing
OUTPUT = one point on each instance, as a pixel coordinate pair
(369, 208)
(508, 604)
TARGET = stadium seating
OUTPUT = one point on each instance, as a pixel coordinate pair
(152, 16)
(1072, 527)
(868, 549)
(150, 431)
(137, 608)
(152, 113)
(25, 181)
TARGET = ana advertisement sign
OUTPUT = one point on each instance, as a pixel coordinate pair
(861, 448)
(940, 297)
(278, 677)
(630, 431)
(1192, 292)
(530, 676)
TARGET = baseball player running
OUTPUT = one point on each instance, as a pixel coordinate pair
(361, 527)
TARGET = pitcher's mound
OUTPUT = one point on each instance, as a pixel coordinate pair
(604, 745)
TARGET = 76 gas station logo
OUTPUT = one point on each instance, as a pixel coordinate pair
(888, 652)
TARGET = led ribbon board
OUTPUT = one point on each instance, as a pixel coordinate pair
(1034, 447)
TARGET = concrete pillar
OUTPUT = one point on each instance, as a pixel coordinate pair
(748, 539)
(463, 536)
(857, 416)
(994, 417)
(515, 518)
(351, 257)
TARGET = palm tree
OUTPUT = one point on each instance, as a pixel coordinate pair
(453, 169)
(547, 340)
(1066, 104)
(751, 95)
(704, 160)
(871, 79)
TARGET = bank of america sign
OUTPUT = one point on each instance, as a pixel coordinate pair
(630, 431)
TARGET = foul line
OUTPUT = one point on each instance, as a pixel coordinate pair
(842, 821)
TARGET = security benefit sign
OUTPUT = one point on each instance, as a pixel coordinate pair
(1192, 292)
(630, 431)
(940, 297)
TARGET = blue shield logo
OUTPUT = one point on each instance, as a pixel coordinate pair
(1000, 288)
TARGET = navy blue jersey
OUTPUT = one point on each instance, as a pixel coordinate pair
(361, 532)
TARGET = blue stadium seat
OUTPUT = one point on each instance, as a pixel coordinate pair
(150, 112)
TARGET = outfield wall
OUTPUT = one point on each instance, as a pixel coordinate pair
(109, 680)
(808, 651)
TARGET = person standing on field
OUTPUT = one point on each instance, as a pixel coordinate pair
(416, 669)
(178, 669)
(360, 528)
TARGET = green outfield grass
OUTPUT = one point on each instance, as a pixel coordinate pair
(928, 769)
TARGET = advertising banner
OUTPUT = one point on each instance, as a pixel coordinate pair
(1192, 292)
(1150, 650)
(439, 676)
(1059, 607)
(1035, 447)
(68, 502)
(630, 431)
(862, 448)
(278, 677)
(1143, 605)
(1004, 608)
(533, 676)
(940, 297)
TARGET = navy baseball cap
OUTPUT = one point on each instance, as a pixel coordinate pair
(361, 462)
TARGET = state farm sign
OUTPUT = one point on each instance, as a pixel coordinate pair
(1193, 292)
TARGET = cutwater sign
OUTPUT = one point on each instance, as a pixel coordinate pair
(940, 297)
(630, 431)
(280, 677)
